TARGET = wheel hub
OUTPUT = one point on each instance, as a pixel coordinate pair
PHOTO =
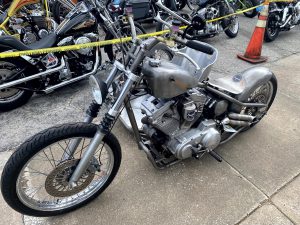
(8, 92)
(57, 182)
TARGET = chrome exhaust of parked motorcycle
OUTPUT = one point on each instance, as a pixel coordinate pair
(54, 87)
(32, 77)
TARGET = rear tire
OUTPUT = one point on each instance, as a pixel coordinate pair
(272, 30)
(273, 85)
(11, 98)
(232, 29)
(28, 152)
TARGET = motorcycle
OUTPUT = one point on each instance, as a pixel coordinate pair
(237, 5)
(282, 17)
(144, 10)
(26, 20)
(183, 114)
(21, 77)
(206, 11)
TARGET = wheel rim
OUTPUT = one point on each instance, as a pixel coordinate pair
(263, 94)
(8, 94)
(42, 185)
(234, 25)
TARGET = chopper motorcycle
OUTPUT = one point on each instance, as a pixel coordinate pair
(21, 77)
(185, 114)
(206, 11)
(26, 20)
(282, 17)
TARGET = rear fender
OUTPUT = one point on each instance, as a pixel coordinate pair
(248, 81)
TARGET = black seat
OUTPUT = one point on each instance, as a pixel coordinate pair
(10, 42)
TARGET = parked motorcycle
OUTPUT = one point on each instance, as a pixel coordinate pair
(282, 17)
(21, 77)
(144, 10)
(26, 20)
(206, 11)
(183, 114)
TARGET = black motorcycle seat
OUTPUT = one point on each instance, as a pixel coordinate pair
(12, 42)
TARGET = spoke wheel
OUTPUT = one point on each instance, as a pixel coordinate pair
(35, 180)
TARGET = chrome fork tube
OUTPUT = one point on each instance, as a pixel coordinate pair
(75, 142)
(86, 158)
(96, 141)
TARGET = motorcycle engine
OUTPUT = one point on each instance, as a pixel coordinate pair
(85, 56)
(210, 13)
(175, 119)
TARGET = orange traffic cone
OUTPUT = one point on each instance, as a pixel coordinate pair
(253, 51)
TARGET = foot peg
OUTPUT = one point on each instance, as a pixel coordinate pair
(216, 156)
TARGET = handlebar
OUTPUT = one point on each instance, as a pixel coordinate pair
(197, 45)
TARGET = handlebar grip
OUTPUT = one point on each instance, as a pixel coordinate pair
(200, 47)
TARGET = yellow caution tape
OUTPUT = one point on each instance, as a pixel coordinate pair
(11, 54)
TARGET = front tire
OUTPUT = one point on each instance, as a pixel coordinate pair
(33, 159)
(249, 4)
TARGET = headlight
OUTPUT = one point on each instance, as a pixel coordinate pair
(96, 90)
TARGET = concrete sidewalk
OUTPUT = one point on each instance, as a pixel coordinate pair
(257, 183)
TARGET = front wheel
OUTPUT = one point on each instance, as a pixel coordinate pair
(35, 178)
(250, 4)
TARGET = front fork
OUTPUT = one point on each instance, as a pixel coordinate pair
(107, 122)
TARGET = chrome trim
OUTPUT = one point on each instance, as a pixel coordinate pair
(32, 77)
(52, 88)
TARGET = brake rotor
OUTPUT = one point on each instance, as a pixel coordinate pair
(57, 182)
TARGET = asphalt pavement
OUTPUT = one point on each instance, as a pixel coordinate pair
(258, 181)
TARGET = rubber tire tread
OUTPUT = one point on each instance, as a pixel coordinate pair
(22, 100)
(38, 142)
(268, 37)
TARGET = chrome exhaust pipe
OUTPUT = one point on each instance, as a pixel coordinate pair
(52, 88)
(32, 77)
(242, 117)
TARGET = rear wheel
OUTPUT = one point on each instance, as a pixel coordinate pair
(264, 93)
(231, 26)
(272, 29)
(11, 98)
(35, 178)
